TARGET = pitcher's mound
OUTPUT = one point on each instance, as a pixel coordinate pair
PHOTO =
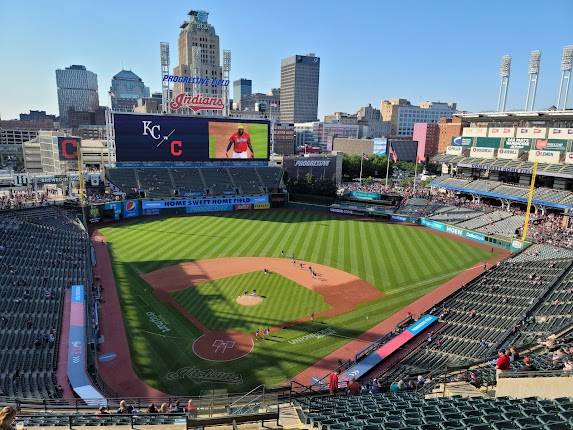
(248, 300)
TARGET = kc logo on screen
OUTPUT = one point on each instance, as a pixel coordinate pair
(154, 130)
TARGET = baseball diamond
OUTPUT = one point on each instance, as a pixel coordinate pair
(316, 272)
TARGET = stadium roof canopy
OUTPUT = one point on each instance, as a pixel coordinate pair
(517, 116)
(501, 165)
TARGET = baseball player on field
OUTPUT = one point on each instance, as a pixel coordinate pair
(241, 143)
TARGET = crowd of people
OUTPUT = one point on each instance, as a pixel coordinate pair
(176, 407)
(545, 228)
(25, 198)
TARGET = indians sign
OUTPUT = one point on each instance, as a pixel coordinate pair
(196, 102)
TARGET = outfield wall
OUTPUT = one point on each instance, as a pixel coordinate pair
(514, 245)
(135, 208)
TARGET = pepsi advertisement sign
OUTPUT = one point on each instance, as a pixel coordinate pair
(131, 208)
(173, 138)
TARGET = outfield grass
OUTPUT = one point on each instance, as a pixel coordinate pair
(402, 261)
(214, 302)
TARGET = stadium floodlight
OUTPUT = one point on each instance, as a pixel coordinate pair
(534, 62)
(505, 66)
(566, 66)
(567, 58)
(504, 72)
(164, 50)
(226, 77)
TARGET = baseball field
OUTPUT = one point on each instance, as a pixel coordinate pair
(194, 290)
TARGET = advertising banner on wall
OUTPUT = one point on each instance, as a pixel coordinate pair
(551, 157)
(531, 132)
(501, 132)
(131, 209)
(508, 154)
(569, 158)
(454, 150)
(560, 133)
(477, 152)
(551, 145)
(474, 132)
(380, 146)
(189, 138)
(488, 142)
(517, 143)
(462, 141)
(208, 204)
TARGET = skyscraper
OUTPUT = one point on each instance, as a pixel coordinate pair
(299, 88)
(241, 88)
(126, 89)
(199, 56)
(77, 90)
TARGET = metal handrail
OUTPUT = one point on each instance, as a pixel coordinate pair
(247, 394)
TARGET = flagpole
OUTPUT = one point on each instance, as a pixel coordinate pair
(416, 169)
(388, 165)
(415, 173)
(361, 161)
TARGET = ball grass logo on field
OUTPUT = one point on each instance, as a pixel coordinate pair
(204, 375)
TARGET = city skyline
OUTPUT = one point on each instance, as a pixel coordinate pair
(449, 54)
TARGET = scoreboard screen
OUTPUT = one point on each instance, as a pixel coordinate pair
(189, 138)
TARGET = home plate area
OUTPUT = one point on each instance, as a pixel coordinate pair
(223, 346)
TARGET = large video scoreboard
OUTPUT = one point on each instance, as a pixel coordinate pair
(189, 138)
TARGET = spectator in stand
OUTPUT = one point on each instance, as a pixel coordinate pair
(151, 409)
(527, 365)
(163, 409)
(191, 409)
(354, 387)
(176, 407)
(513, 354)
(333, 382)
(502, 363)
(102, 411)
(7, 418)
(124, 408)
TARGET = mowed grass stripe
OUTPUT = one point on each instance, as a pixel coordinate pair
(379, 253)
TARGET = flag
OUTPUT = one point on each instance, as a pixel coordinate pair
(393, 154)
(364, 156)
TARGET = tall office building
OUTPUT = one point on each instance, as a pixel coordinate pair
(403, 115)
(241, 88)
(299, 88)
(126, 89)
(199, 56)
(77, 91)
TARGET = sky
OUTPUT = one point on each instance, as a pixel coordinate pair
(370, 50)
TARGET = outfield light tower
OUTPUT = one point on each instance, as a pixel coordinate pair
(566, 66)
(226, 77)
(534, 62)
(164, 48)
(504, 72)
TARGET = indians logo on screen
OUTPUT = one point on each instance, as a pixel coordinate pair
(196, 102)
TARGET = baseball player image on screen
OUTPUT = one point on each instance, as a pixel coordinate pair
(240, 141)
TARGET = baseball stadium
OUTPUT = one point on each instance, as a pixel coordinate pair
(192, 276)
(204, 283)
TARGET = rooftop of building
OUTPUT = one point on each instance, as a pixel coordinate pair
(127, 75)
